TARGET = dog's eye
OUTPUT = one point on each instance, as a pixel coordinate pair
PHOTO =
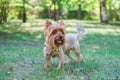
(54, 32)
(62, 31)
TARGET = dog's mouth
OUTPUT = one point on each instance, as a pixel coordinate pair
(59, 41)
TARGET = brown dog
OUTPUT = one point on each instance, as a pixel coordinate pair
(54, 40)
(57, 43)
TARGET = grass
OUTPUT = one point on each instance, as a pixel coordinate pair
(21, 53)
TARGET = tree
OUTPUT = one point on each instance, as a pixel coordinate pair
(103, 12)
(79, 10)
(114, 10)
(56, 9)
(4, 7)
(24, 12)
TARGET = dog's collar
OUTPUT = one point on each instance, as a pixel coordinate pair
(53, 51)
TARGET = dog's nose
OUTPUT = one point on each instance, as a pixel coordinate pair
(60, 37)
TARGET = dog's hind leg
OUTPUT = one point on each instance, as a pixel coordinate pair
(69, 56)
(79, 57)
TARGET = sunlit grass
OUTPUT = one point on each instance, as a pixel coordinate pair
(21, 53)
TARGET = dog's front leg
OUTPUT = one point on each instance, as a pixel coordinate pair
(61, 60)
(47, 59)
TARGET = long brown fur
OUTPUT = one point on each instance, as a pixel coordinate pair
(54, 39)
(57, 47)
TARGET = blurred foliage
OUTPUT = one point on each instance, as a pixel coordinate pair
(4, 8)
(68, 9)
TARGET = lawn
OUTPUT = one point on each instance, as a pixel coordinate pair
(21, 53)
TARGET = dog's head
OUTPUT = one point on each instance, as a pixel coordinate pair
(54, 33)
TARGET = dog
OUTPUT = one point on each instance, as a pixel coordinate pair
(54, 40)
(57, 42)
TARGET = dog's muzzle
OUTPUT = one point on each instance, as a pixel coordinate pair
(60, 39)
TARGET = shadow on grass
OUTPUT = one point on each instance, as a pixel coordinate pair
(110, 23)
(17, 32)
(101, 44)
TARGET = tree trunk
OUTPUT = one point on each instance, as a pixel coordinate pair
(79, 11)
(4, 7)
(24, 12)
(49, 12)
(103, 12)
(56, 14)
(0, 19)
(1, 14)
(4, 14)
(56, 11)
(59, 9)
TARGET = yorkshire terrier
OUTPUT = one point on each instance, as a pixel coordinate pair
(57, 43)
(54, 40)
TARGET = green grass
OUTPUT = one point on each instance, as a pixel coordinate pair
(21, 53)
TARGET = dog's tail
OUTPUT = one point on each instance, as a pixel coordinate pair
(80, 31)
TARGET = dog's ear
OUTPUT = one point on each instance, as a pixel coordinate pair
(61, 23)
(48, 23)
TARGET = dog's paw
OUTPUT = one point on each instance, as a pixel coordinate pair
(80, 59)
(59, 68)
(46, 67)
(69, 61)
